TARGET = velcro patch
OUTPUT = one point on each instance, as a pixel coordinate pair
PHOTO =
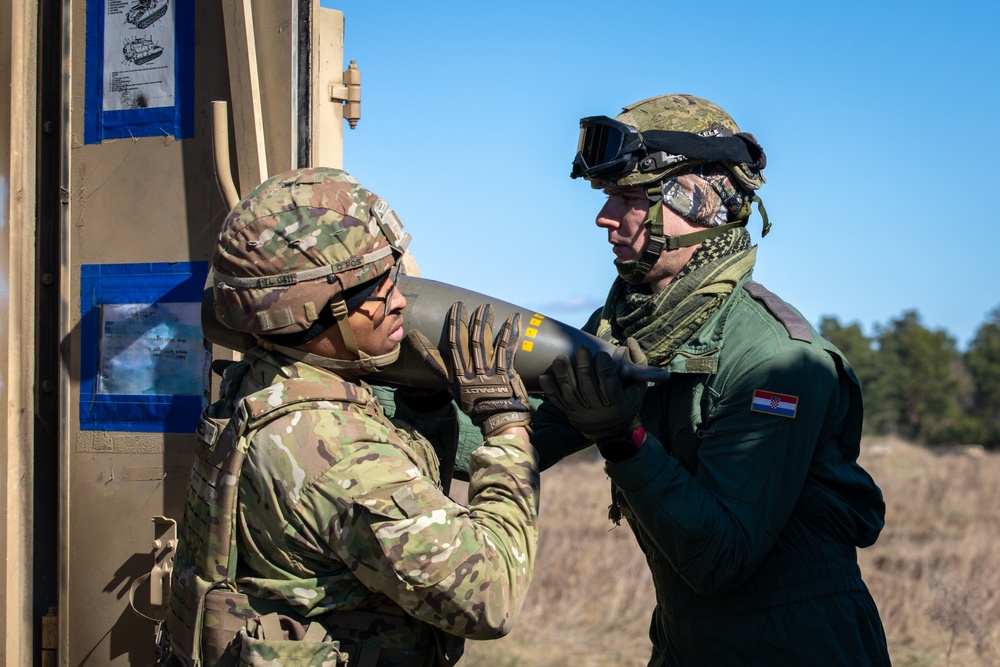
(771, 403)
(698, 365)
(406, 502)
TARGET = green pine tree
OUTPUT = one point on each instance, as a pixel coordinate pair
(864, 359)
(921, 374)
(983, 362)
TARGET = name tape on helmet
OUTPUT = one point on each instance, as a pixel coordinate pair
(277, 281)
(352, 263)
(286, 279)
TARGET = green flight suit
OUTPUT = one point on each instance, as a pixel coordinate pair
(749, 519)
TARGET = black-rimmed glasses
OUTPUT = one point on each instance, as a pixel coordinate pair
(387, 299)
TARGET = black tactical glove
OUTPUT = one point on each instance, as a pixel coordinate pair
(588, 390)
(486, 386)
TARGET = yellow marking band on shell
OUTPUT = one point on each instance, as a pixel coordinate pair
(531, 332)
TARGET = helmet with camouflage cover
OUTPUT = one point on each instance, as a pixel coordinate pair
(663, 127)
(686, 113)
(656, 139)
(293, 247)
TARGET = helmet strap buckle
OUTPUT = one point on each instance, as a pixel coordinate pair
(361, 361)
(339, 309)
(657, 240)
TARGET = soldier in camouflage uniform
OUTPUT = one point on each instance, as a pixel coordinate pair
(739, 476)
(317, 531)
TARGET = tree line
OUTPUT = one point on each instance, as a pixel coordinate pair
(919, 386)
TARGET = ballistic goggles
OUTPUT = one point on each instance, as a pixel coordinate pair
(610, 149)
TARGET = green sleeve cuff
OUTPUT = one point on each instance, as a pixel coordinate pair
(647, 464)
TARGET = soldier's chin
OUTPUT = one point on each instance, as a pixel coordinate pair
(626, 271)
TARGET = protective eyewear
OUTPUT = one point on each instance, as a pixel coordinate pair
(609, 149)
(387, 299)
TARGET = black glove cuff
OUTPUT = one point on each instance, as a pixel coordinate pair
(615, 448)
(421, 402)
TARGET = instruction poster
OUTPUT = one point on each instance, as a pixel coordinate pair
(139, 68)
(144, 365)
(154, 348)
(138, 54)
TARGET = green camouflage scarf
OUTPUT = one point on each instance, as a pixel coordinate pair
(662, 322)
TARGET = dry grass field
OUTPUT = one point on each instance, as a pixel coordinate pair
(935, 571)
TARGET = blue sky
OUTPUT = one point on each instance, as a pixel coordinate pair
(879, 120)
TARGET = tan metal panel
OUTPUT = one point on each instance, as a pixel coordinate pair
(149, 199)
(156, 200)
(276, 38)
(327, 74)
(18, 31)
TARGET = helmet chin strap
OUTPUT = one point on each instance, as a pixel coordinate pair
(635, 272)
(362, 360)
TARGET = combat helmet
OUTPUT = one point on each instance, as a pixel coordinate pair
(656, 138)
(293, 247)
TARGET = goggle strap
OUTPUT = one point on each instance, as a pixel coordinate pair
(609, 149)
(697, 147)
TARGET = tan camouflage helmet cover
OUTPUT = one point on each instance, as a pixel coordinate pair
(294, 243)
(680, 113)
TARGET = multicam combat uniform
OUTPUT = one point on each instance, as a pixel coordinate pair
(341, 520)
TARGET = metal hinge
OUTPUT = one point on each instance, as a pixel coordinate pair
(349, 93)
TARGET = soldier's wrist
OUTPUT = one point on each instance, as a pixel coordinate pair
(622, 446)
(498, 422)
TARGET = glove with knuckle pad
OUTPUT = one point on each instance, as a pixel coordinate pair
(481, 374)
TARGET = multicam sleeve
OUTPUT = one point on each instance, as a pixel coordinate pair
(463, 569)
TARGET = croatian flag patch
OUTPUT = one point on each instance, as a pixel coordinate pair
(770, 403)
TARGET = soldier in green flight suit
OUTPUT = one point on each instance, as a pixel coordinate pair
(317, 531)
(739, 476)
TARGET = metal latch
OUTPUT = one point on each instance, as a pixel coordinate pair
(164, 547)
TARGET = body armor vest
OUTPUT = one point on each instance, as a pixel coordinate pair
(209, 621)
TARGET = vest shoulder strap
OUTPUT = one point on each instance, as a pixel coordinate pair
(207, 556)
(797, 328)
(296, 393)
